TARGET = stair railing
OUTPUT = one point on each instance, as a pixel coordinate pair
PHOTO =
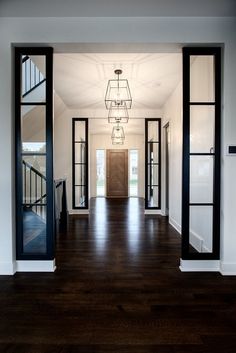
(34, 194)
(34, 189)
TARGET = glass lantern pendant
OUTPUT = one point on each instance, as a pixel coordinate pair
(118, 135)
(118, 91)
(118, 112)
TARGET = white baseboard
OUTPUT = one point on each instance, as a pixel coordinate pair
(74, 212)
(7, 268)
(35, 266)
(228, 269)
(159, 212)
(175, 225)
(199, 265)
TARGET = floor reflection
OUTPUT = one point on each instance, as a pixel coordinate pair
(116, 235)
(99, 219)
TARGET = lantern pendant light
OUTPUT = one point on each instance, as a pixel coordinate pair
(118, 135)
(117, 92)
(118, 113)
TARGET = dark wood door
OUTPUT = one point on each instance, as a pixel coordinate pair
(117, 173)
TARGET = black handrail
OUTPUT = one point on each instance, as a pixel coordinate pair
(34, 194)
(34, 170)
(34, 185)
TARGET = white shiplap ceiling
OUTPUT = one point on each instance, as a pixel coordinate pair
(81, 79)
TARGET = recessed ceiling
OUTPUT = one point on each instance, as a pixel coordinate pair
(81, 79)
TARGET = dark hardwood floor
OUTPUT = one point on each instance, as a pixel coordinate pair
(118, 288)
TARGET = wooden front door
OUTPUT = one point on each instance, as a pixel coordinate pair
(117, 173)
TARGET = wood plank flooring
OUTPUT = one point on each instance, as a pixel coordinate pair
(118, 289)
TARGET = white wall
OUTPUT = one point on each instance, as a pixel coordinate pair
(131, 31)
(136, 142)
(173, 113)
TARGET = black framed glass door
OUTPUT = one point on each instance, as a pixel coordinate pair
(201, 153)
(153, 163)
(80, 163)
(34, 153)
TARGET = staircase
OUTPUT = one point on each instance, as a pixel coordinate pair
(35, 207)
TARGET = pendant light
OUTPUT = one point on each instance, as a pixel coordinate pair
(118, 91)
(118, 135)
(118, 112)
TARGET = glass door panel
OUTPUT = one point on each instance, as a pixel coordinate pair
(34, 171)
(80, 163)
(201, 153)
(202, 128)
(202, 78)
(152, 163)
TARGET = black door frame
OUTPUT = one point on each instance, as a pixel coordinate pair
(50, 227)
(215, 254)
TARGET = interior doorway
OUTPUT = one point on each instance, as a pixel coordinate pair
(201, 162)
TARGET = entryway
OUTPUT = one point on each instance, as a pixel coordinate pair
(201, 161)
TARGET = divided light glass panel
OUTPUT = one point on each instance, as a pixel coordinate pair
(80, 131)
(80, 152)
(202, 129)
(80, 164)
(153, 196)
(33, 82)
(33, 154)
(152, 163)
(33, 128)
(201, 179)
(202, 153)
(201, 229)
(153, 152)
(80, 174)
(80, 196)
(202, 78)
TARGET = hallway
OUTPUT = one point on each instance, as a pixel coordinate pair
(118, 289)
